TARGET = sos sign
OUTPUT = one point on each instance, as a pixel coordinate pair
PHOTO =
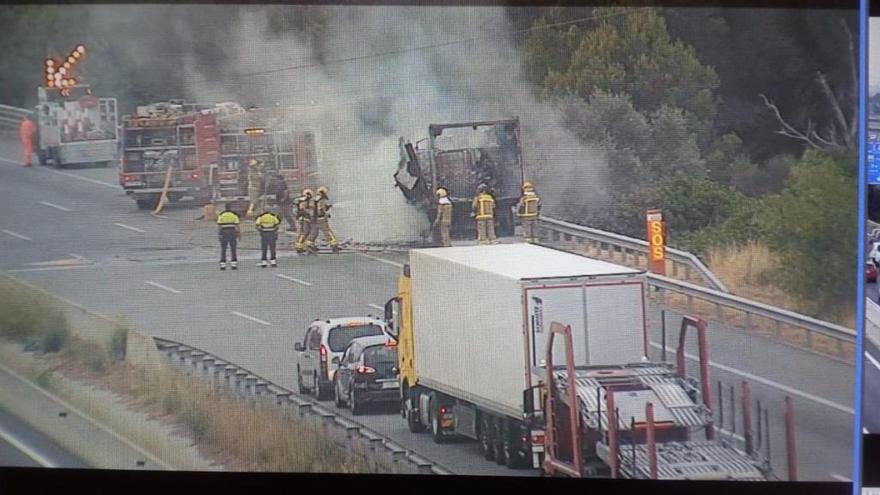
(656, 233)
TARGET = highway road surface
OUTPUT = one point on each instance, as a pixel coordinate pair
(22, 446)
(74, 233)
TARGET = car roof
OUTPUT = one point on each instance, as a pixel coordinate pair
(360, 320)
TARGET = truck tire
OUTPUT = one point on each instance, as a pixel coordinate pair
(512, 444)
(148, 202)
(412, 417)
(434, 413)
(498, 440)
(487, 443)
(356, 407)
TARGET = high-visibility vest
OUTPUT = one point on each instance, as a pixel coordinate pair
(268, 222)
(484, 206)
(227, 219)
(528, 205)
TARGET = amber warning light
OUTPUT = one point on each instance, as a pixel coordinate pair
(255, 130)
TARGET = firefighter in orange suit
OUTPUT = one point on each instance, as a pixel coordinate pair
(443, 220)
(26, 132)
(304, 208)
(528, 209)
(484, 213)
(321, 222)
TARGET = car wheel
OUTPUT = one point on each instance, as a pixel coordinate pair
(356, 407)
(301, 387)
(336, 395)
(487, 445)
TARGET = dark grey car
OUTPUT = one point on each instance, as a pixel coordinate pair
(367, 374)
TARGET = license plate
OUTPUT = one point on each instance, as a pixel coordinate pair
(386, 385)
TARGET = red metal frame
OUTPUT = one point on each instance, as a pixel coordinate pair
(551, 461)
(650, 440)
(700, 325)
(612, 431)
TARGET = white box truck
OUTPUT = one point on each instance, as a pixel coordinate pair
(471, 324)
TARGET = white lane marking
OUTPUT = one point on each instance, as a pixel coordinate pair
(163, 287)
(129, 227)
(49, 268)
(16, 234)
(78, 256)
(248, 317)
(86, 179)
(771, 383)
(285, 277)
(873, 361)
(382, 260)
(20, 446)
(53, 205)
(380, 308)
(839, 477)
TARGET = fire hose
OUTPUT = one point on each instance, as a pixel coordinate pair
(164, 195)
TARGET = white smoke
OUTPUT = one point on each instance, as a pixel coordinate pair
(362, 105)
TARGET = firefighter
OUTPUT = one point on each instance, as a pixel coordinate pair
(321, 222)
(304, 209)
(267, 224)
(254, 176)
(227, 223)
(282, 197)
(484, 212)
(443, 220)
(26, 132)
(528, 209)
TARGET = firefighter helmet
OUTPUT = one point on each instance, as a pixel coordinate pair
(322, 190)
(482, 188)
(307, 192)
(527, 186)
(441, 192)
(254, 163)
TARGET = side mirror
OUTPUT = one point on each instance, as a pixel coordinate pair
(298, 347)
(335, 360)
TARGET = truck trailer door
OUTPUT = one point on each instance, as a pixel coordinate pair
(564, 304)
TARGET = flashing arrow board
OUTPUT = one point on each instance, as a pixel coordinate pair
(254, 131)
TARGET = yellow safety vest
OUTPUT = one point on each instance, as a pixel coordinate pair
(528, 206)
(484, 206)
(268, 222)
(227, 219)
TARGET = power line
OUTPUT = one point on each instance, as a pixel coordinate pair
(434, 45)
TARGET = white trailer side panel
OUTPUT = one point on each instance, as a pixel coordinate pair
(615, 323)
(468, 333)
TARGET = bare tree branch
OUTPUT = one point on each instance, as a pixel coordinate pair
(854, 78)
(787, 129)
(835, 105)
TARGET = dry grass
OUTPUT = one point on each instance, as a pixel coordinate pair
(747, 270)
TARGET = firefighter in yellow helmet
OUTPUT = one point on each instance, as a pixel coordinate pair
(304, 208)
(321, 222)
(255, 179)
(484, 213)
(443, 219)
(267, 224)
(528, 209)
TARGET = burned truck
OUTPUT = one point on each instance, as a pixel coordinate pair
(459, 157)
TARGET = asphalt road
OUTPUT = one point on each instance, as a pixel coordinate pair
(22, 446)
(91, 245)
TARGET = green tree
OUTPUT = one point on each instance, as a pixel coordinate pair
(812, 224)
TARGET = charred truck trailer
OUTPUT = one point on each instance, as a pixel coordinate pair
(475, 360)
(459, 157)
(75, 127)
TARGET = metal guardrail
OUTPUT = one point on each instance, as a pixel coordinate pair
(596, 239)
(250, 385)
(716, 294)
(10, 118)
